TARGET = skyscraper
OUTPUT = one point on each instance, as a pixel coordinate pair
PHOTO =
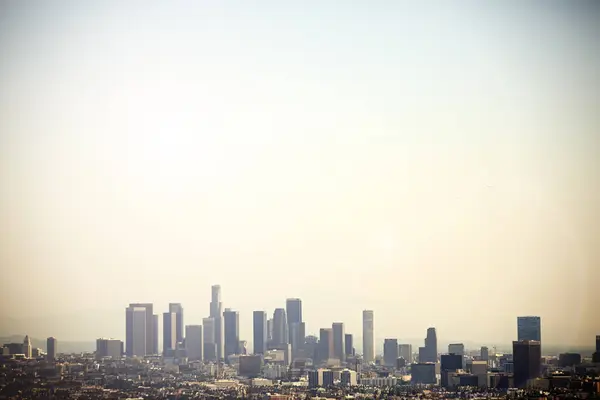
(194, 345)
(485, 354)
(259, 322)
(216, 312)
(297, 336)
(178, 310)
(349, 345)
(137, 330)
(111, 348)
(293, 309)
(269, 330)
(368, 336)
(51, 349)
(325, 344)
(390, 352)
(431, 352)
(456, 348)
(169, 333)
(208, 333)
(529, 328)
(527, 361)
(405, 351)
(27, 347)
(154, 333)
(148, 331)
(280, 328)
(339, 338)
(231, 322)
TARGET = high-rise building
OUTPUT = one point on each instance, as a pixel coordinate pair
(111, 348)
(260, 331)
(405, 351)
(210, 344)
(449, 363)
(339, 338)
(149, 330)
(293, 308)
(368, 336)
(155, 334)
(529, 328)
(598, 343)
(270, 330)
(390, 352)
(297, 336)
(27, 347)
(51, 349)
(485, 354)
(430, 352)
(194, 345)
(280, 328)
(326, 349)
(231, 322)
(456, 348)
(596, 355)
(169, 333)
(216, 312)
(349, 345)
(527, 361)
(178, 310)
(137, 331)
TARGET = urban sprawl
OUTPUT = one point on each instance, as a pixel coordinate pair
(209, 361)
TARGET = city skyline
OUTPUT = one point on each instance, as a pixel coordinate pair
(409, 158)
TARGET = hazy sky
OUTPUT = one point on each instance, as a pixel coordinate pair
(439, 165)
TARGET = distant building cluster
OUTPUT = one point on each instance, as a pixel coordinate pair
(283, 352)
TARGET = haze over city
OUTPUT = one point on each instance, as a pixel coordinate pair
(437, 165)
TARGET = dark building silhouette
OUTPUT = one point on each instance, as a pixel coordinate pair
(596, 355)
(485, 354)
(250, 366)
(527, 361)
(231, 325)
(169, 333)
(423, 374)
(260, 332)
(349, 344)
(390, 352)
(529, 328)
(429, 352)
(449, 363)
(569, 360)
(293, 309)
(51, 349)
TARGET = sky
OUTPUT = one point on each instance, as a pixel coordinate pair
(436, 162)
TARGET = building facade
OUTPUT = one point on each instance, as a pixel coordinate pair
(368, 336)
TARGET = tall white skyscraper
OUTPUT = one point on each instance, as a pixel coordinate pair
(216, 312)
(193, 342)
(368, 336)
(27, 347)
